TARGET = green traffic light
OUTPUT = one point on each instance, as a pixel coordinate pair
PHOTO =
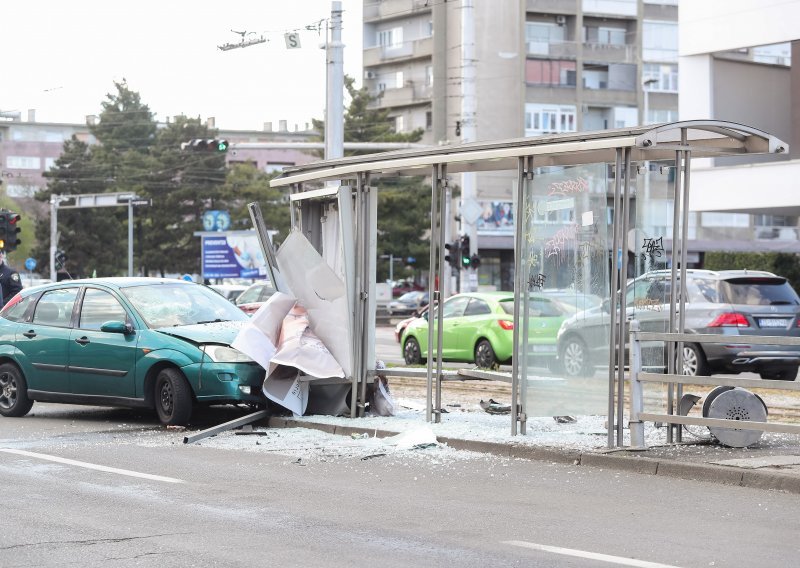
(222, 145)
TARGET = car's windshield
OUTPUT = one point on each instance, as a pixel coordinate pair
(759, 292)
(164, 305)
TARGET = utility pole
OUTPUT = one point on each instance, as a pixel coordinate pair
(334, 111)
(468, 130)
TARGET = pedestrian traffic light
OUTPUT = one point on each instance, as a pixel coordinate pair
(475, 261)
(465, 260)
(453, 255)
(12, 229)
(206, 145)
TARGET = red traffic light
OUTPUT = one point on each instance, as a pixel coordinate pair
(13, 218)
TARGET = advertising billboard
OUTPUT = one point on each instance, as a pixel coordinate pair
(232, 254)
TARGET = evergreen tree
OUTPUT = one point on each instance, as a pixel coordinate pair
(246, 184)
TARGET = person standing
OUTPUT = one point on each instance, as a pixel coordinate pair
(10, 282)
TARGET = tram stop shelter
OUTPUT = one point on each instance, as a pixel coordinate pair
(592, 209)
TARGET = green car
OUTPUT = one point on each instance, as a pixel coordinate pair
(479, 328)
(133, 342)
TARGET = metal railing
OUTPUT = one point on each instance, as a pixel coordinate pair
(638, 377)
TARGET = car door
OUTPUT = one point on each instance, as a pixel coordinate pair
(476, 315)
(452, 319)
(101, 363)
(44, 341)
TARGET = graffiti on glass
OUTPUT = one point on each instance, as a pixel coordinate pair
(652, 248)
(567, 187)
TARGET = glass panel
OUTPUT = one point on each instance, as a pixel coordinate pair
(565, 330)
(99, 307)
(55, 307)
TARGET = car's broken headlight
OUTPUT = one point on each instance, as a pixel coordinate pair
(225, 354)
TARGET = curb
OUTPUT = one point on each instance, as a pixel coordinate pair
(631, 464)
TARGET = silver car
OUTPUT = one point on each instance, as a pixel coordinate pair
(726, 302)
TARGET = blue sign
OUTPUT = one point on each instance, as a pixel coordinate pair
(232, 256)
(216, 220)
(30, 263)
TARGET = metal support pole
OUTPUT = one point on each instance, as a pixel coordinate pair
(433, 291)
(623, 317)
(130, 237)
(439, 312)
(519, 228)
(334, 110)
(687, 158)
(635, 425)
(613, 305)
(53, 235)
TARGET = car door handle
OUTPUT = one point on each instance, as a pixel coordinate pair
(82, 340)
(30, 334)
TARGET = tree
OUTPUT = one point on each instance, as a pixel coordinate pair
(246, 184)
(403, 203)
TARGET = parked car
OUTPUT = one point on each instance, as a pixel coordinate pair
(254, 297)
(154, 343)
(403, 324)
(407, 304)
(738, 303)
(229, 291)
(479, 328)
(400, 288)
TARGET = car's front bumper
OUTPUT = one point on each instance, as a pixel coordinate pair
(227, 382)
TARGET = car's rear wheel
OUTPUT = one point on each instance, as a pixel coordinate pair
(694, 361)
(575, 358)
(14, 399)
(412, 352)
(782, 374)
(173, 398)
(484, 355)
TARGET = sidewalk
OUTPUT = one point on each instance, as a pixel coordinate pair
(772, 463)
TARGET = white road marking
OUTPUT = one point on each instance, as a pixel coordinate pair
(93, 466)
(619, 560)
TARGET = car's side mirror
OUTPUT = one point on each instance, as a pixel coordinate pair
(117, 327)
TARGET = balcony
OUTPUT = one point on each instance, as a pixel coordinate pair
(555, 50)
(389, 9)
(609, 97)
(609, 53)
(408, 95)
(551, 6)
(415, 49)
(776, 233)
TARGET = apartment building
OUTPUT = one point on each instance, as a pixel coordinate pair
(736, 64)
(539, 67)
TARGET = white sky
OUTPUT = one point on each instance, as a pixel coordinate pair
(61, 58)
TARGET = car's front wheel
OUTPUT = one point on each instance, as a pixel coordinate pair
(14, 399)
(694, 361)
(782, 374)
(173, 398)
(412, 354)
(484, 355)
(575, 358)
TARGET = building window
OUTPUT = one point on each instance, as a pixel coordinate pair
(665, 75)
(399, 124)
(392, 38)
(549, 119)
(550, 72)
(428, 120)
(17, 190)
(660, 41)
(24, 162)
(398, 79)
(602, 35)
(429, 75)
(540, 35)
(774, 221)
(725, 219)
(49, 163)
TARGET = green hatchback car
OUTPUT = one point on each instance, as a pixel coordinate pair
(133, 342)
(479, 327)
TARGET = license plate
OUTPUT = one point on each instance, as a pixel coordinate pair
(773, 322)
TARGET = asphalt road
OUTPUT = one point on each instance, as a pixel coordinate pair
(277, 502)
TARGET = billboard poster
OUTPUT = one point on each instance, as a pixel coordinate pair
(232, 255)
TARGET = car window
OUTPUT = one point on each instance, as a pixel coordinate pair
(454, 307)
(759, 292)
(163, 305)
(55, 307)
(15, 311)
(250, 295)
(477, 307)
(702, 290)
(637, 291)
(98, 307)
(265, 292)
(542, 307)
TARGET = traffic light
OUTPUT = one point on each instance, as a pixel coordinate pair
(453, 254)
(465, 260)
(12, 229)
(4, 228)
(475, 261)
(61, 259)
(206, 145)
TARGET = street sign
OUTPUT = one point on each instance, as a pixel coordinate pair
(30, 263)
(216, 220)
(141, 202)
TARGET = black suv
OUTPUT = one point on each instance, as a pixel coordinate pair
(726, 302)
